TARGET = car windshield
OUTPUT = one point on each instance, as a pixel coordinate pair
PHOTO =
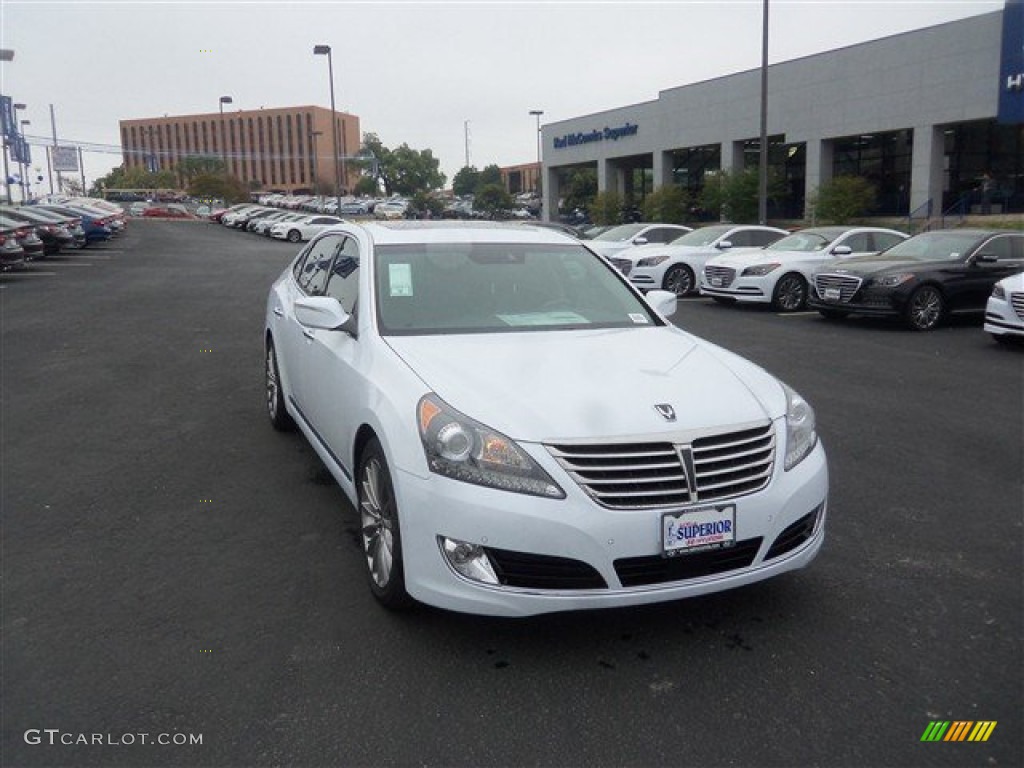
(931, 246)
(701, 237)
(441, 288)
(620, 233)
(804, 242)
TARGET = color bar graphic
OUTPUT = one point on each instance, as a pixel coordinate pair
(958, 730)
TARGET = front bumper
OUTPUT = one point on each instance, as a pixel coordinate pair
(778, 529)
(647, 278)
(753, 289)
(1002, 320)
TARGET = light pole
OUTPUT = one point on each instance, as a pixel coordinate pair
(762, 178)
(325, 50)
(537, 113)
(7, 54)
(25, 162)
(316, 180)
(223, 142)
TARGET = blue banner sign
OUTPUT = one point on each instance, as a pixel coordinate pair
(1011, 69)
(608, 134)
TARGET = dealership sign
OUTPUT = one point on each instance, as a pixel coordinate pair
(1011, 69)
(65, 159)
(608, 134)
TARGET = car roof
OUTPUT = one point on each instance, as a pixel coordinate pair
(448, 231)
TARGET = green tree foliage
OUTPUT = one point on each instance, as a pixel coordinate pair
(427, 203)
(580, 189)
(220, 186)
(134, 178)
(367, 185)
(667, 204)
(191, 166)
(492, 199)
(465, 181)
(735, 195)
(606, 208)
(403, 170)
(843, 199)
(491, 174)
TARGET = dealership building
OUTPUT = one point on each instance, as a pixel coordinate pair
(287, 149)
(926, 116)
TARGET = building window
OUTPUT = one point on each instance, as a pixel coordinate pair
(884, 159)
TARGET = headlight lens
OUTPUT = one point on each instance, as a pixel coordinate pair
(758, 270)
(998, 292)
(651, 261)
(464, 449)
(801, 435)
(891, 281)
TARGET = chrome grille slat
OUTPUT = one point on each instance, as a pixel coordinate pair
(1017, 301)
(650, 475)
(725, 274)
(847, 285)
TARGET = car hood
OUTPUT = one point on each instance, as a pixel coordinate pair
(877, 265)
(761, 256)
(568, 385)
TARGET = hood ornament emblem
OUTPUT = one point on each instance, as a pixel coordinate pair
(666, 410)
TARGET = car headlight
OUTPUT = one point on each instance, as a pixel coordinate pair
(464, 449)
(891, 281)
(801, 435)
(651, 261)
(759, 269)
(998, 292)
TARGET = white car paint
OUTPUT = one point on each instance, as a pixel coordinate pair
(303, 229)
(341, 377)
(626, 236)
(1004, 312)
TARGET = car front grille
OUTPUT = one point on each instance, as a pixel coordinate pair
(530, 571)
(847, 286)
(655, 569)
(647, 475)
(724, 276)
(625, 266)
(1017, 301)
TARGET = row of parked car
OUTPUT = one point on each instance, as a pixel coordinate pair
(293, 226)
(44, 228)
(839, 270)
(381, 208)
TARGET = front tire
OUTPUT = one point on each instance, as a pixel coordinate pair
(294, 236)
(279, 417)
(679, 280)
(790, 294)
(381, 532)
(925, 308)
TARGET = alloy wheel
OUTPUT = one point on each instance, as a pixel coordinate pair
(925, 309)
(376, 511)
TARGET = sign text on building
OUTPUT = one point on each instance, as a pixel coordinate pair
(608, 134)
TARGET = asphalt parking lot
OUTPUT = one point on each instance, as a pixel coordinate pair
(173, 566)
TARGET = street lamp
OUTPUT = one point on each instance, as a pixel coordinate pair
(537, 113)
(223, 142)
(325, 50)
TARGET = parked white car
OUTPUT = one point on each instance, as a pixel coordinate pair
(780, 273)
(1004, 312)
(521, 433)
(617, 239)
(303, 229)
(674, 267)
(392, 209)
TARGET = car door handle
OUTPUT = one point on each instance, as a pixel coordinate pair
(278, 311)
(308, 333)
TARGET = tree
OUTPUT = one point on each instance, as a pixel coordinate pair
(667, 204)
(491, 174)
(843, 199)
(735, 195)
(367, 185)
(221, 186)
(425, 202)
(580, 188)
(199, 165)
(606, 208)
(492, 199)
(465, 181)
(403, 170)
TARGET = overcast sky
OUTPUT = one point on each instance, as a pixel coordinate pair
(413, 72)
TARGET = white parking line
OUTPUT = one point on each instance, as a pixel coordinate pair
(29, 274)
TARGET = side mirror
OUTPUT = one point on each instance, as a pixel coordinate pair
(842, 250)
(324, 313)
(640, 240)
(725, 245)
(664, 303)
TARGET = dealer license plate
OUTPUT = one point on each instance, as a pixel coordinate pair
(716, 281)
(697, 530)
(832, 294)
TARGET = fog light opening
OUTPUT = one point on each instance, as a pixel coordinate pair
(469, 560)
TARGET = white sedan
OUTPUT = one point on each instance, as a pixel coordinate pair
(463, 383)
(1004, 312)
(780, 273)
(303, 229)
(624, 236)
(674, 267)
